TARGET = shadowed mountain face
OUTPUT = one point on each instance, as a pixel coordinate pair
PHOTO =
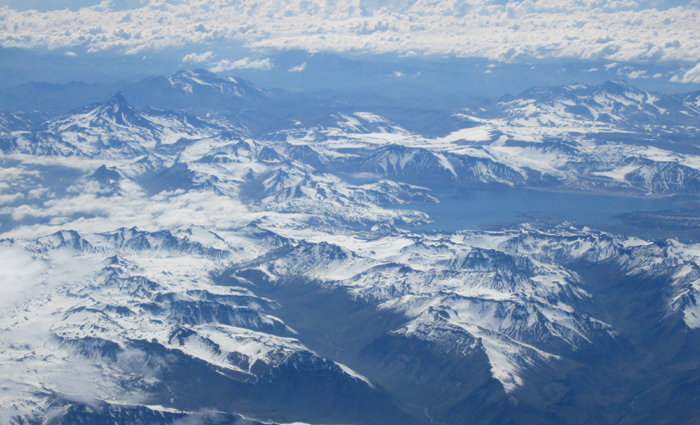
(222, 253)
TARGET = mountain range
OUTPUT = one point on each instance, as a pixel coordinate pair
(253, 257)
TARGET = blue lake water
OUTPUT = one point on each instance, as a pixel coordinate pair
(461, 208)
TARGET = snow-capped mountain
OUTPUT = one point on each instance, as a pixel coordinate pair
(613, 102)
(690, 99)
(201, 80)
(612, 137)
(519, 310)
(132, 302)
(157, 266)
(113, 129)
(20, 121)
(509, 303)
(199, 90)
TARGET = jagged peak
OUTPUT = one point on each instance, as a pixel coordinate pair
(116, 104)
(118, 99)
(118, 110)
(106, 175)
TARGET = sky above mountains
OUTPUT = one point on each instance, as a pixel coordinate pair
(515, 31)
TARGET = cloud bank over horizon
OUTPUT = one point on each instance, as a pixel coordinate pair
(650, 31)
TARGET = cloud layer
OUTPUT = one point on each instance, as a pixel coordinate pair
(585, 29)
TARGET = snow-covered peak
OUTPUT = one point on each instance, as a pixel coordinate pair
(366, 122)
(611, 102)
(200, 82)
(114, 129)
(116, 112)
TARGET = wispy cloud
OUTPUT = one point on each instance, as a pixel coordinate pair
(637, 74)
(298, 68)
(90, 212)
(245, 63)
(199, 57)
(691, 76)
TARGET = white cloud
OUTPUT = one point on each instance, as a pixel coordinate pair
(691, 76)
(91, 213)
(637, 74)
(8, 199)
(245, 63)
(588, 29)
(198, 58)
(19, 272)
(298, 68)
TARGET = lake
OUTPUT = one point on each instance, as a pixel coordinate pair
(462, 208)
